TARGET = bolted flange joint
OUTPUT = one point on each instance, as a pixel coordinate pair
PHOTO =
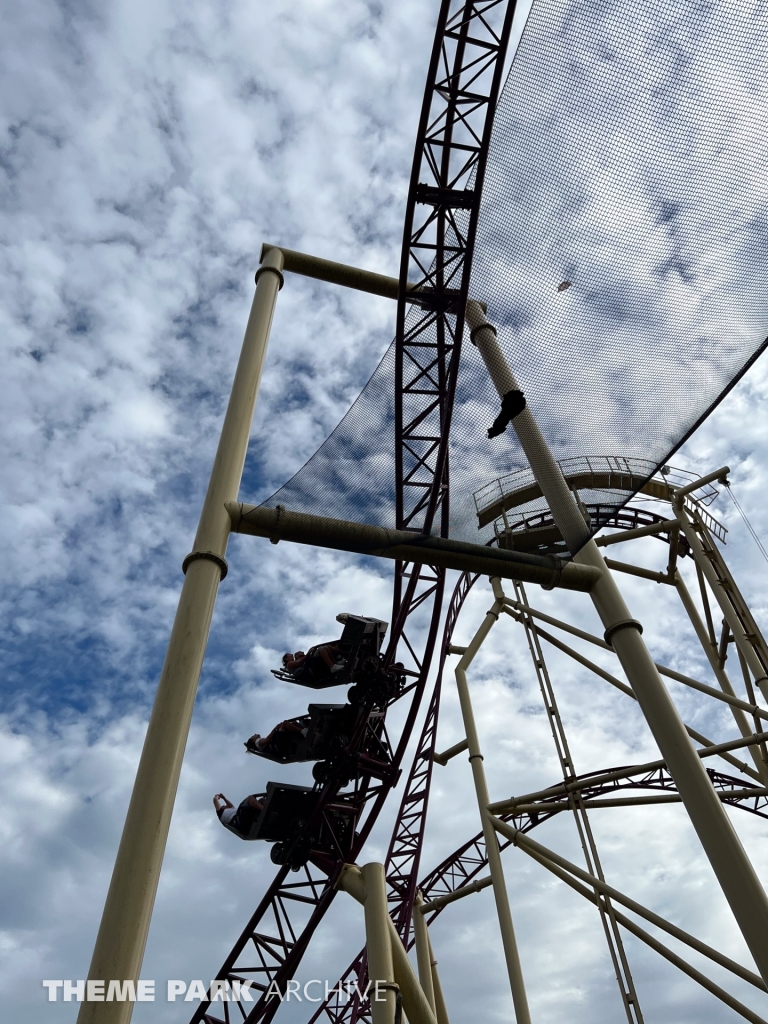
(267, 268)
(275, 538)
(624, 624)
(210, 555)
(481, 327)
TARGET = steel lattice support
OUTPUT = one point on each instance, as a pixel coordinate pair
(641, 784)
(459, 870)
(271, 946)
(593, 791)
(404, 854)
(441, 217)
(462, 87)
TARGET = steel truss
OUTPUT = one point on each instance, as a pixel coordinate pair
(620, 787)
(579, 794)
(459, 870)
(462, 88)
(454, 132)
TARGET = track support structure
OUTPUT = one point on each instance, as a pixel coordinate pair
(506, 926)
(623, 633)
(389, 969)
(461, 875)
(125, 921)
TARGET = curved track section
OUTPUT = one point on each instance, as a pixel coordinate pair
(440, 226)
(345, 1004)
(462, 866)
(454, 132)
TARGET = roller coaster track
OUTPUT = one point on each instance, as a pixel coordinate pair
(404, 856)
(454, 132)
(461, 868)
(345, 1003)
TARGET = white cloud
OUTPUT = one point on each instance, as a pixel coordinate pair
(145, 152)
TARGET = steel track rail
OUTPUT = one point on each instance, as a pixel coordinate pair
(465, 77)
(457, 116)
(404, 856)
(345, 1005)
(463, 866)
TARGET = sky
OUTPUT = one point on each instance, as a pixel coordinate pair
(146, 151)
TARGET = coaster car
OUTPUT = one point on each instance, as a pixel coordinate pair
(337, 662)
(283, 820)
(324, 732)
(336, 737)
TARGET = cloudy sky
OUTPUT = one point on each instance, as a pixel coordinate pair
(146, 150)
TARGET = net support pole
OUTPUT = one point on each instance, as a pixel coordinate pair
(503, 912)
(122, 935)
(729, 860)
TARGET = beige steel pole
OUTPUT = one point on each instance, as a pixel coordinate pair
(720, 674)
(509, 942)
(727, 608)
(441, 1010)
(125, 921)
(381, 970)
(423, 956)
(414, 1003)
(722, 846)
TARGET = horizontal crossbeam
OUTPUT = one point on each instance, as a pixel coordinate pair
(341, 535)
(337, 273)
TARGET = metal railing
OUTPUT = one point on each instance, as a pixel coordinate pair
(626, 473)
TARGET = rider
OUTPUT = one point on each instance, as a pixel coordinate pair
(239, 820)
(274, 742)
(329, 654)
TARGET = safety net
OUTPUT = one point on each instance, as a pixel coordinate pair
(622, 250)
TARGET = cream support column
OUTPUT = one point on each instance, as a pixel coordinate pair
(441, 1010)
(509, 942)
(729, 861)
(726, 607)
(381, 970)
(368, 885)
(415, 1003)
(423, 955)
(125, 921)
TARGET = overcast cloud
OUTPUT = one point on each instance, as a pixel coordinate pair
(146, 150)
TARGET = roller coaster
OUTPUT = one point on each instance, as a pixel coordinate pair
(545, 523)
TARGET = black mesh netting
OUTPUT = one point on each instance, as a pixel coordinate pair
(629, 159)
